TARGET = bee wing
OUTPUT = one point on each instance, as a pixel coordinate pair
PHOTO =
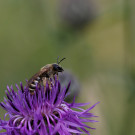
(34, 77)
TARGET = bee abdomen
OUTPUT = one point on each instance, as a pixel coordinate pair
(34, 84)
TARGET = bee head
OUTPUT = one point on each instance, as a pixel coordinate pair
(57, 68)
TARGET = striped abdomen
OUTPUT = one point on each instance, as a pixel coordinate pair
(33, 84)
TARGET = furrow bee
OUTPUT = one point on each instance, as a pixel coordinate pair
(44, 75)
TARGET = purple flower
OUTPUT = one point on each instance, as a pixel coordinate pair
(44, 113)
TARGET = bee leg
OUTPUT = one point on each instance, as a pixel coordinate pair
(50, 83)
(44, 81)
(56, 77)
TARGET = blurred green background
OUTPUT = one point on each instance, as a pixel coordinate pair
(99, 47)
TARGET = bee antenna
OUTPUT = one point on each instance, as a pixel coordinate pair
(58, 60)
(61, 60)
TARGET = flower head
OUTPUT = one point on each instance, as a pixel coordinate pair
(43, 113)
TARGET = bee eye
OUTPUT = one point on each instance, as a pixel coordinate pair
(57, 68)
(60, 69)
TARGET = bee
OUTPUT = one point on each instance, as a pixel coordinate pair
(44, 75)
